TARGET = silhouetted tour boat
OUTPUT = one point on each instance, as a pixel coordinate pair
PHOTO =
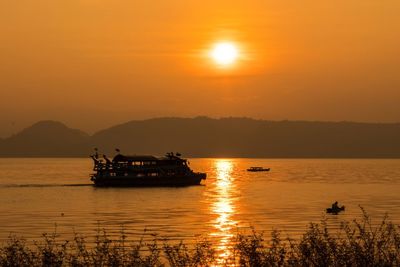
(258, 169)
(136, 171)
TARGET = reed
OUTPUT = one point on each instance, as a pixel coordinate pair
(356, 243)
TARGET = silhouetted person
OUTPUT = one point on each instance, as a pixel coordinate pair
(108, 161)
(335, 206)
(97, 162)
(94, 158)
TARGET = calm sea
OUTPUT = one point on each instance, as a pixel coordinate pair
(41, 195)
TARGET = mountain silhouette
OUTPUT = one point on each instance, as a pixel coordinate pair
(46, 139)
(207, 137)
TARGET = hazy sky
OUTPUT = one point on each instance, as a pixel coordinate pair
(95, 63)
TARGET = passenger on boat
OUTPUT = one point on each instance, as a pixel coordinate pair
(108, 161)
(335, 206)
(97, 162)
(94, 158)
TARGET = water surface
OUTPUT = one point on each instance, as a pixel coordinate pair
(41, 195)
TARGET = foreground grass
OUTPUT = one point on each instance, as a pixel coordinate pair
(357, 243)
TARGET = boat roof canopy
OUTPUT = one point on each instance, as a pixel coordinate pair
(123, 158)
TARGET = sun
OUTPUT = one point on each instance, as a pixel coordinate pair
(224, 53)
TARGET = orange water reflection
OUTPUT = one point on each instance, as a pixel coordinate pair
(224, 208)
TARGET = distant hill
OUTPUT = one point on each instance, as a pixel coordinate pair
(46, 139)
(206, 137)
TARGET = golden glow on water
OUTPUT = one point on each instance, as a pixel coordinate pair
(224, 208)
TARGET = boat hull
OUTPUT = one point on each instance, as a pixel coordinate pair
(335, 211)
(260, 170)
(157, 181)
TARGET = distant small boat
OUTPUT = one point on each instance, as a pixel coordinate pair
(335, 211)
(258, 169)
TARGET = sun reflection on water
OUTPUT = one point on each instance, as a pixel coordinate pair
(224, 208)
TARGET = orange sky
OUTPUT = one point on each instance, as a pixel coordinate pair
(94, 63)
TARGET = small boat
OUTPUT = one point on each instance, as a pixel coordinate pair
(144, 171)
(258, 169)
(335, 211)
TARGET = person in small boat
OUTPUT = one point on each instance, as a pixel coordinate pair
(335, 206)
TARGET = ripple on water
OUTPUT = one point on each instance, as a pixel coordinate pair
(43, 195)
